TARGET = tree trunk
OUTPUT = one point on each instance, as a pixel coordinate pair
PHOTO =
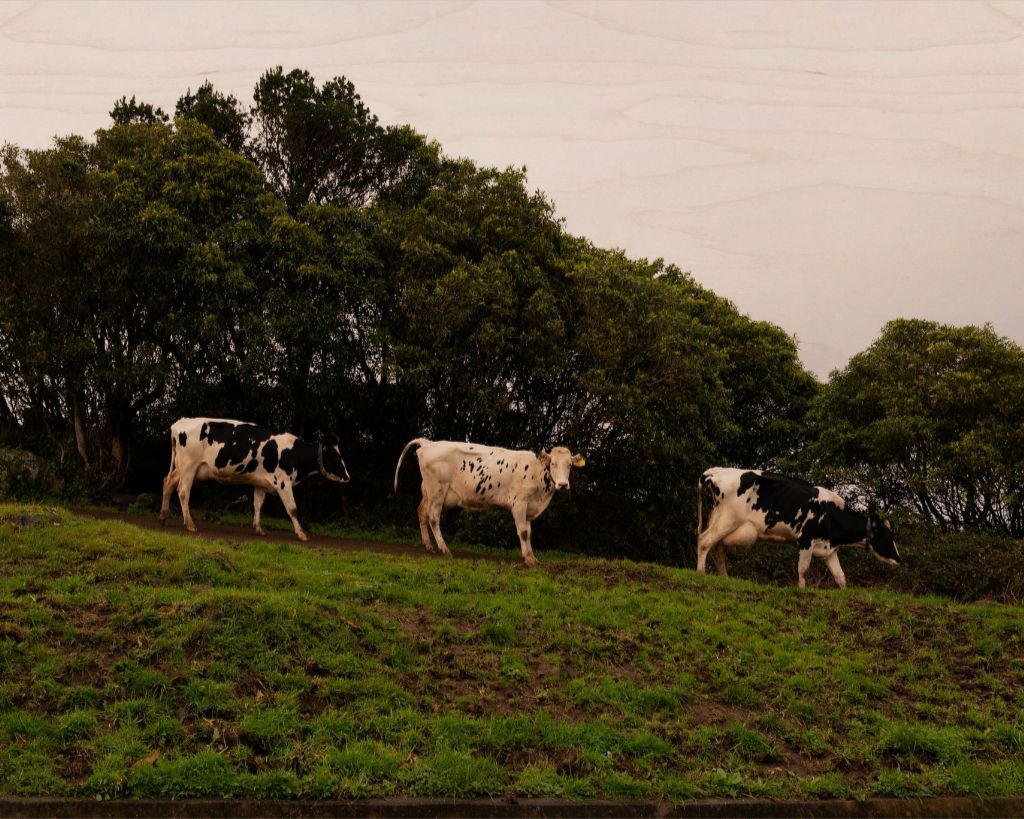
(80, 439)
(119, 454)
(120, 424)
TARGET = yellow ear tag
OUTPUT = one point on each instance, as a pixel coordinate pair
(581, 461)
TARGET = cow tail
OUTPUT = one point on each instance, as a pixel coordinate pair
(408, 446)
(174, 453)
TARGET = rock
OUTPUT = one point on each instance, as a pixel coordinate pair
(39, 516)
(20, 522)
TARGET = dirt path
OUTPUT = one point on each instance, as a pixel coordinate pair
(241, 534)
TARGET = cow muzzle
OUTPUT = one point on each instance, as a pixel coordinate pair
(890, 561)
(562, 485)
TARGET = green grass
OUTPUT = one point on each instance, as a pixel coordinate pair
(965, 566)
(139, 664)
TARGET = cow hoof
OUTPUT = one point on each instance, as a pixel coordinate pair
(191, 529)
(530, 560)
(259, 531)
(303, 537)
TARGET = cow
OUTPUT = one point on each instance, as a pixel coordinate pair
(475, 476)
(749, 505)
(239, 452)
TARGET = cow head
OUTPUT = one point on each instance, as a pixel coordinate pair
(557, 464)
(880, 540)
(332, 465)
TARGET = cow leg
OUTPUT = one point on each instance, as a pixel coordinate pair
(170, 484)
(832, 561)
(803, 564)
(434, 516)
(423, 514)
(258, 496)
(184, 491)
(284, 492)
(524, 529)
(708, 540)
(718, 553)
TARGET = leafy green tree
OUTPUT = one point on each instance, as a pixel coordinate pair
(353, 279)
(9, 247)
(128, 111)
(769, 390)
(643, 398)
(319, 145)
(930, 417)
(51, 199)
(221, 113)
(133, 282)
(315, 144)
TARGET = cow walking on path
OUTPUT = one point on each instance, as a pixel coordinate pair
(238, 452)
(749, 505)
(474, 476)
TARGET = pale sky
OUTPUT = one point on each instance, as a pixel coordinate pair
(827, 166)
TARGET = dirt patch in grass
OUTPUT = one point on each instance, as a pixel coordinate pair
(704, 712)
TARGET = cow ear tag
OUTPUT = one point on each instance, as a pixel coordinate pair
(580, 461)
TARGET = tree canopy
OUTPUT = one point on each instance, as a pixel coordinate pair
(930, 418)
(300, 264)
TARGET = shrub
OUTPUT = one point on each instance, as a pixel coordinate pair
(966, 566)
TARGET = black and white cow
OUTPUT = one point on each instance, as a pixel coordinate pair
(749, 505)
(238, 452)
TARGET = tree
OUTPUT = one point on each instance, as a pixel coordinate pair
(353, 279)
(320, 145)
(128, 111)
(930, 417)
(51, 197)
(223, 114)
(770, 391)
(133, 282)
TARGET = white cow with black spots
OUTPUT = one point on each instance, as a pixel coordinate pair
(474, 476)
(227, 451)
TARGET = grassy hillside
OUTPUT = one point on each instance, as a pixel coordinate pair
(136, 664)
